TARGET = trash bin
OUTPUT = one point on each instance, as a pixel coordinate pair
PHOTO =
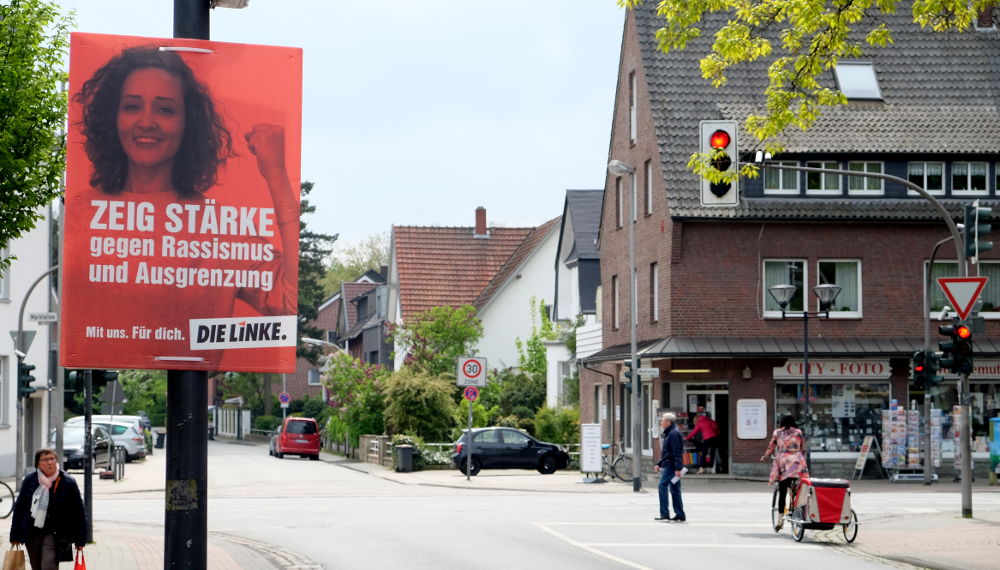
(404, 458)
(160, 438)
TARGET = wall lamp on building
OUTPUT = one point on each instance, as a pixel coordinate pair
(827, 294)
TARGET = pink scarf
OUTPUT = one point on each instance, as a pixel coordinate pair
(46, 481)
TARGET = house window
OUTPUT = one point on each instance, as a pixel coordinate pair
(654, 292)
(927, 175)
(862, 184)
(331, 336)
(781, 181)
(313, 377)
(968, 178)
(5, 390)
(632, 120)
(648, 171)
(822, 182)
(619, 210)
(847, 275)
(614, 301)
(990, 295)
(783, 271)
(857, 80)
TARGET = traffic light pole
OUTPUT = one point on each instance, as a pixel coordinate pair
(963, 396)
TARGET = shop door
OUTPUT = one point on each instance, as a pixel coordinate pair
(713, 399)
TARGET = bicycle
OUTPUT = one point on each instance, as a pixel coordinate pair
(620, 467)
(6, 500)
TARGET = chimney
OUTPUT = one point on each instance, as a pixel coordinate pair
(481, 231)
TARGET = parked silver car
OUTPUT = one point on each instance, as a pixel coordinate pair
(125, 433)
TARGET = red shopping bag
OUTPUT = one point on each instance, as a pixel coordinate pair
(80, 563)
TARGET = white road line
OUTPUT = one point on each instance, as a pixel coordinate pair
(656, 523)
(591, 549)
(795, 546)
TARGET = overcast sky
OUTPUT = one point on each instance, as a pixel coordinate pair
(417, 112)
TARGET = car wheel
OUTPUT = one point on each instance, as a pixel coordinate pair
(473, 468)
(279, 455)
(547, 465)
(314, 457)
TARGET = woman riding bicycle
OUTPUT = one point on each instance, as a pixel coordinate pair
(786, 447)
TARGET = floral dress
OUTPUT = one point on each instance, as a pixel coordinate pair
(789, 461)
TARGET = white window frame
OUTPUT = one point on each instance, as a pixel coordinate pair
(781, 190)
(968, 179)
(823, 190)
(649, 187)
(868, 190)
(834, 313)
(857, 80)
(313, 373)
(5, 277)
(654, 284)
(619, 197)
(767, 298)
(633, 127)
(923, 175)
(5, 390)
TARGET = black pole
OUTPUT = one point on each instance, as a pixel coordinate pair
(185, 543)
(88, 444)
(805, 377)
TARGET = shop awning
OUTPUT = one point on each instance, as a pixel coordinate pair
(729, 347)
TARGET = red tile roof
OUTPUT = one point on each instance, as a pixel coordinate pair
(448, 265)
(514, 261)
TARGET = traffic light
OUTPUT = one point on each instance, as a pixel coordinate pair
(628, 374)
(947, 347)
(718, 141)
(100, 378)
(25, 379)
(71, 381)
(978, 222)
(933, 368)
(963, 349)
(920, 369)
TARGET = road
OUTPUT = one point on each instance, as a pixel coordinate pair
(333, 516)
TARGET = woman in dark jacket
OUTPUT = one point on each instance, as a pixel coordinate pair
(48, 509)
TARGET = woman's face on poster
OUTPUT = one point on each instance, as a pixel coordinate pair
(151, 117)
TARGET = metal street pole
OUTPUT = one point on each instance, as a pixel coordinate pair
(805, 378)
(185, 532)
(633, 345)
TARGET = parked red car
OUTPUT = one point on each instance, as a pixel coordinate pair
(299, 436)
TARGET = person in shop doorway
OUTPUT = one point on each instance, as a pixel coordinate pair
(706, 436)
(670, 466)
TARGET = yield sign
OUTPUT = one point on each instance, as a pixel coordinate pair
(962, 292)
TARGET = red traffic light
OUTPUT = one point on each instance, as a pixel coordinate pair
(719, 140)
(918, 368)
(963, 332)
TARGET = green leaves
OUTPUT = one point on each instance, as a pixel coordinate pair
(33, 43)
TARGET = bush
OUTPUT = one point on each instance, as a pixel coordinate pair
(267, 423)
(422, 455)
(560, 425)
(419, 404)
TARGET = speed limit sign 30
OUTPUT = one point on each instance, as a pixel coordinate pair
(471, 371)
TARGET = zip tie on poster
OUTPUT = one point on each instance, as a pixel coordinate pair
(180, 358)
(189, 49)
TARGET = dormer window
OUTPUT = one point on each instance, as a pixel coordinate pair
(857, 80)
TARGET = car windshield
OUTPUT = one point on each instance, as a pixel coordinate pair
(301, 427)
(73, 435)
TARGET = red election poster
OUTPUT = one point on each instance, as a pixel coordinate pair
(180, 241)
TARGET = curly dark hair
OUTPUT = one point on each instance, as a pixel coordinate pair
(788, 422)
(206, 143)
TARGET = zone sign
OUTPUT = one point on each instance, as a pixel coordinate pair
(471, 371)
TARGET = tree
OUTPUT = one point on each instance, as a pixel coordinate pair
(531, 355)
(33, 45)
(145, 391)
(419, 403)
(356, 391)
(352, 261)
(313, 251)
(800, 39)
(250, 386)
(433, 340)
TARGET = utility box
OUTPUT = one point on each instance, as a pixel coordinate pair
(994, 450)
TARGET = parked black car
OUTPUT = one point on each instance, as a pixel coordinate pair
(73, 453)
(508, 448)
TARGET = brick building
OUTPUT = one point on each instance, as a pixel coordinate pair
(925, 110)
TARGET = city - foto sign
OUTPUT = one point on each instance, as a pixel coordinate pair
(841, 369)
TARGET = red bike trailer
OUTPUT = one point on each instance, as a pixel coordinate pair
(822, 504)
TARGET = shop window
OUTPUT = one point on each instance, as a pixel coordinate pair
(990, 295)
(783, 271)
(927, 175)
(846, 275)
(844, 413)
(984, 403)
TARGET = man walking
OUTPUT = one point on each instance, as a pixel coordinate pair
(670, 464)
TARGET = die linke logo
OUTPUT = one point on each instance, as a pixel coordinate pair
(243, 332)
